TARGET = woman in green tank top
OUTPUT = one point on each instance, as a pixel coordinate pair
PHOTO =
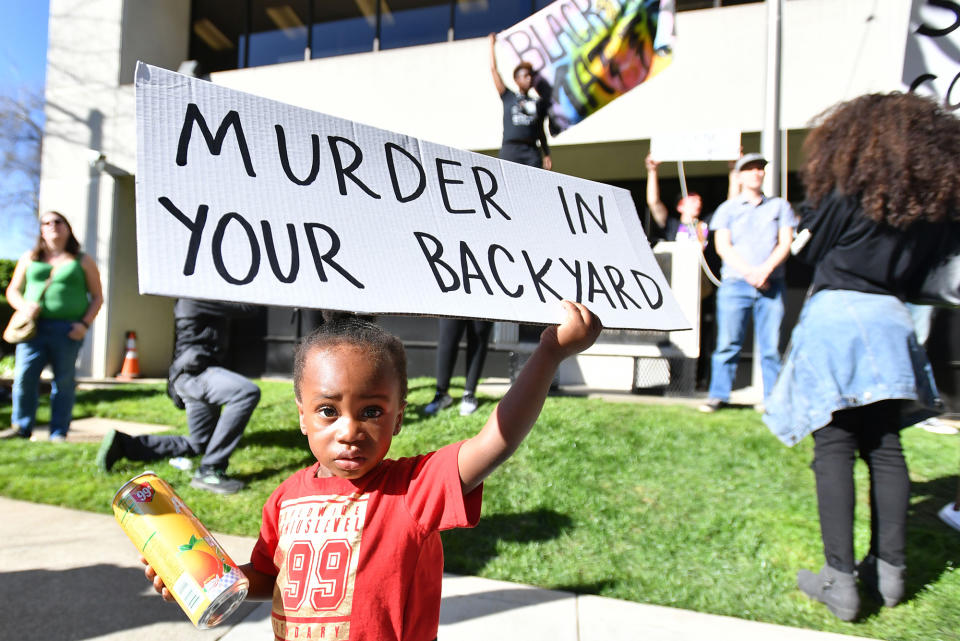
(60, 286)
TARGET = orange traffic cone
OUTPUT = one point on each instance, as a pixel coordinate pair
(131, 362)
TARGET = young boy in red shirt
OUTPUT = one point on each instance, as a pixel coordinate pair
(350, 547)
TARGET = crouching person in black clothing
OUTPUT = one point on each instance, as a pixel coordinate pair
(218, 402)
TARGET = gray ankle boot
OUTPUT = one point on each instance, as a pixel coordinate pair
(882, 579)
(837, 590)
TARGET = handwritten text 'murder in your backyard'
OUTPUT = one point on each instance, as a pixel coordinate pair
(470, 267)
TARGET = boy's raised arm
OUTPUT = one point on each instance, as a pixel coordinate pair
(516, 413)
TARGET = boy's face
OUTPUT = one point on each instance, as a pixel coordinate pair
(350, 409)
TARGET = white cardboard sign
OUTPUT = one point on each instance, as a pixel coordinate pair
(714, 144)
(931, 63)
(241, 198)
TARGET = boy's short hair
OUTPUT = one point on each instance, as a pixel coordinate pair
(523, 65)
(347, 329)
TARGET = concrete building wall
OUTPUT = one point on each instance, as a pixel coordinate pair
(93, 45)
(831, 51)
(442, 92)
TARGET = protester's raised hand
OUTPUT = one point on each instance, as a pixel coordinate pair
(577, 332)
(651, 164)
(154, 578)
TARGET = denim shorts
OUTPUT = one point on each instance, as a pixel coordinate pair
(850, 349)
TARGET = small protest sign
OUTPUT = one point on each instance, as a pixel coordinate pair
(587, 53)
(241, 198)
(715, 144)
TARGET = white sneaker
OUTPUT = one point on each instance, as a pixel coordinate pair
(711, 405)
(181, 463)
(439, 402)
(950, 515)
(937, 426)
(468, 405)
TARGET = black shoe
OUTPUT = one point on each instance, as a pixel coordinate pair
(111, 450)
(13, 432)
(216, 481)
(441, 401)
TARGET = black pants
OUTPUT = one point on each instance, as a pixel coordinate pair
(523, 153)
(873, 431)
(448, 344)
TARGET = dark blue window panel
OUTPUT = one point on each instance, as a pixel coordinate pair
(477, 18)
(216, 36)
(278, 31)
(404, 23)
(340, 27)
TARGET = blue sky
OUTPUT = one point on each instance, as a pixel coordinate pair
(23, 60)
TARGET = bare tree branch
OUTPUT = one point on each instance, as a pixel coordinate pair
(21, 141)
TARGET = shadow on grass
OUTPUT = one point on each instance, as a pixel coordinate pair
(931, 543)
(467, 551)
(289, 437)
(119, 393)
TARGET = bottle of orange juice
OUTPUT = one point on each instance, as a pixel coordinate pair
(203, 579)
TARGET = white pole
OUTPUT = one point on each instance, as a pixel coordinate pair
(770, 141)
(770, 137)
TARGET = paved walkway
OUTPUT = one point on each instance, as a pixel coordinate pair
(66, 574)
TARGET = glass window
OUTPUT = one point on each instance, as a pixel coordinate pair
(404, 23)
(477, 18)
(343, 26)
(216, 36)
(278, 31)
(689, 5)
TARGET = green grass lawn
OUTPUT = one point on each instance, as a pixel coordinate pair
(649, 503)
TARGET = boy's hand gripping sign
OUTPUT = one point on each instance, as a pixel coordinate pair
(245, 199)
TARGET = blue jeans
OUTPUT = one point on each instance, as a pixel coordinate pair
(736, 299)
(50, 346)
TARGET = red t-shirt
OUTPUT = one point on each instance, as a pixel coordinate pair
(362, 559)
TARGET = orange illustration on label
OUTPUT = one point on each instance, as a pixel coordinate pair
(206, 583)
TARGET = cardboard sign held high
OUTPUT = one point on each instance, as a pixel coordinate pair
(241, 198)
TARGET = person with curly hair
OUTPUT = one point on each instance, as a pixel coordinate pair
(882, 207)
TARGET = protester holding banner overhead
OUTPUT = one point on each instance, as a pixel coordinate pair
(59, 286)
(523, 116)
(218, 401)
(585, 58)
(882, 208)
